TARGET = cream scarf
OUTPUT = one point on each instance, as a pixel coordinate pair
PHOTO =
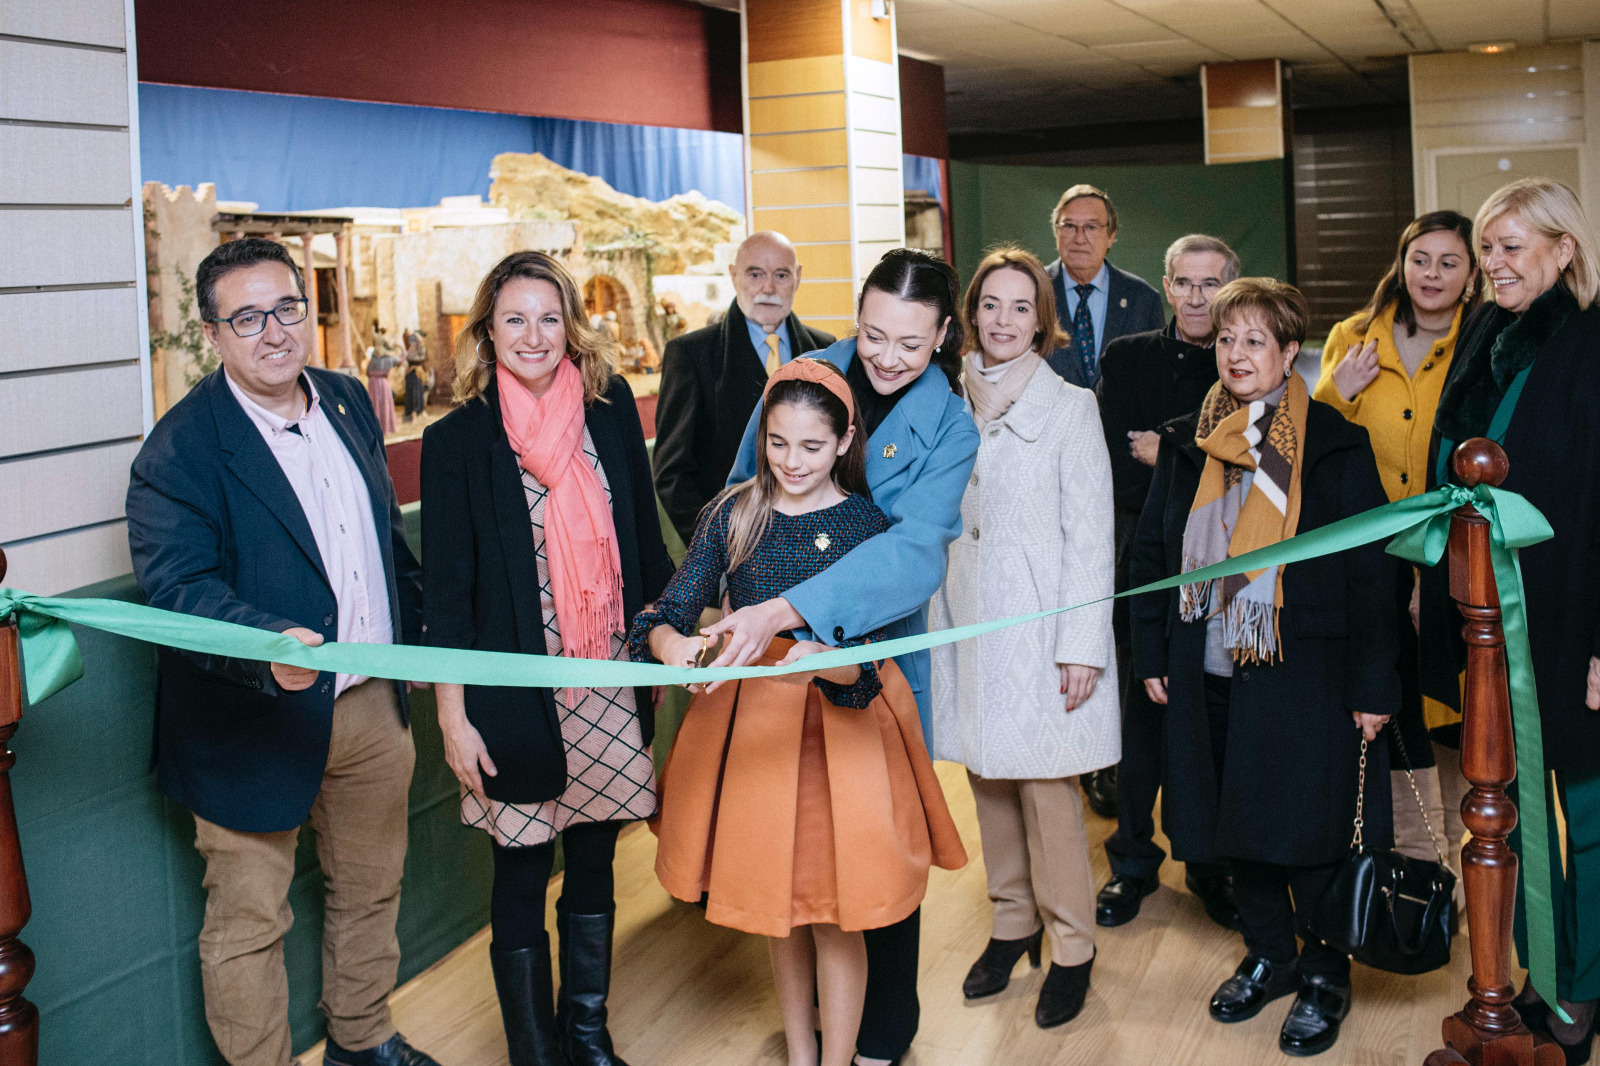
(993, 390)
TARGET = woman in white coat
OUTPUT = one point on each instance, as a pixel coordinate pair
(1028, 708)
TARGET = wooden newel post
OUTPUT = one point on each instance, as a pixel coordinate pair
(19, 1019)
(1488, 1030)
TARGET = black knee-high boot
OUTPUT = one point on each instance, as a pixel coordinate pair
(585, 963)
(522, 981)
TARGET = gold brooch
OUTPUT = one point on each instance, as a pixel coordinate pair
(822, 542)
(889, 450)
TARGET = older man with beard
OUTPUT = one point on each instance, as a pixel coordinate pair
(711, 378)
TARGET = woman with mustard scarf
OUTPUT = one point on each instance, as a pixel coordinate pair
(1275, 681)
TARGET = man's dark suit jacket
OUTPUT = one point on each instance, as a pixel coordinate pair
(711, 380)
(1132, 306)
(481, 581)
(217, 531)
(1146, 379)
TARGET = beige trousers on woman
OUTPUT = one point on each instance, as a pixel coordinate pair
(1036, 852)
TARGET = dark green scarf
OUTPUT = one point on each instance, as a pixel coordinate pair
(1495, 348)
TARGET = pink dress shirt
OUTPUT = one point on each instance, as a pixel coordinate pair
(338, 507)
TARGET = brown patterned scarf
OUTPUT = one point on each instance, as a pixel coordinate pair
(1236, 437)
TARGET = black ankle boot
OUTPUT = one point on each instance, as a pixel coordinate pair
(522, 981)
(585, 962)
(1253, 985)
(992, 972)
(1061, 998)
(1312, 1026)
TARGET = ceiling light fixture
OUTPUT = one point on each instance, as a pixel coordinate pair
(1492, 48)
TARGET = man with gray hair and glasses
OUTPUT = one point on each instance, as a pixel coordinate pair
(1146, 380)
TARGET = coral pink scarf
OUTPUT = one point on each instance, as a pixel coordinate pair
(546, 432)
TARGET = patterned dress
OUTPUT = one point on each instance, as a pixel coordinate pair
(610, 774)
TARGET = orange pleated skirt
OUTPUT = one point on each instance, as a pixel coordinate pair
(783, 809)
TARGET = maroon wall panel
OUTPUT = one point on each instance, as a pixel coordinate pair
(648, 62)
(924, 124)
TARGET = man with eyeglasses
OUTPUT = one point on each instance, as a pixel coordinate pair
(1146, 380)
(1095, 301)
(263, 498)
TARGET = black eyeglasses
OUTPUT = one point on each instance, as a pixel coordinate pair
(249, 323)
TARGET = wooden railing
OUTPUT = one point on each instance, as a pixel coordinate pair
(19, 1019)
(1487, 1031)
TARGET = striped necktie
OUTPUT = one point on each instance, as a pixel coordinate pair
(1083, 334)
(772, 354)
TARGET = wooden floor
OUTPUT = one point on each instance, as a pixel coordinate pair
(687, 993)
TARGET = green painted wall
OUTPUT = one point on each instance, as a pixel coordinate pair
(1243, 203)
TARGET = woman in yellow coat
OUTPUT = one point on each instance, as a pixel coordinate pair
(1384, 369)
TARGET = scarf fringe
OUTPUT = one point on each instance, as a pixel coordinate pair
(1194, 600)
(1250, 631)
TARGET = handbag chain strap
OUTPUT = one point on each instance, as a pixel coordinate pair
(1433, 838)
(1361, 797)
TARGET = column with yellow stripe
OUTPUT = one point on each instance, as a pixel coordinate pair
(822, 142)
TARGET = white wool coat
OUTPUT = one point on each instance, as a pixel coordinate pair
(1036, 533)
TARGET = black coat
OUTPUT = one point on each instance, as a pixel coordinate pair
(1145, 379)
(1288, 793)
(1132, 306)
(217, 531)
(711, 380)
(480, 572)
(1553, 443)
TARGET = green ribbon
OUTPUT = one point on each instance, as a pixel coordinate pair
(1418, 524)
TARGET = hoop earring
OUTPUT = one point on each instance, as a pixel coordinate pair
(479, 350)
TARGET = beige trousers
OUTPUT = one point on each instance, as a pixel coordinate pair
(359, 818)
(1036, 852)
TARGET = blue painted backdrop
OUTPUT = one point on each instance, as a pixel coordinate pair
(302, 153)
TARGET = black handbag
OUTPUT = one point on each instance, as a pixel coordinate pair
(1385, 909)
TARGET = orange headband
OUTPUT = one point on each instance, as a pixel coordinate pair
(818, 371)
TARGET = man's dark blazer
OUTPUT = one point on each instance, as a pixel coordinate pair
(481, 576)
(1132, 306)
(711, 379)
(217, 531)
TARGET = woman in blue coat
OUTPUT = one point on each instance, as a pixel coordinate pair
(921, 447)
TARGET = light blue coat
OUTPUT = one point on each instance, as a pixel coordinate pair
(886, 582)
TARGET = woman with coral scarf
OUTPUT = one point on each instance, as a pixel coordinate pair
(540, 536)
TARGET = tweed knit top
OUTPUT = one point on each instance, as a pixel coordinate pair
(795, 548)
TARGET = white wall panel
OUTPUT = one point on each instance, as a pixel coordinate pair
(64, 409)
(53, 565)
(83, 21)
(874, 185)
(64, 490)
(875, 223)
(872, 148)
(51, 83)
(51, 165)
(44, 247)
(68, 328)
(875, 113)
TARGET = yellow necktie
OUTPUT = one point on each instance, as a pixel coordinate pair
(772, 353)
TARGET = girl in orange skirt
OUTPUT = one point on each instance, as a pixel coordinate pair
(802, 807)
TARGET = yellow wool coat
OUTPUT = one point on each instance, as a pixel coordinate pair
(1396, 409)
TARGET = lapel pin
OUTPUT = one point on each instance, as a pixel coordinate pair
(1123, 302)
(822, 542)
(889, 450)
(341, 408)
